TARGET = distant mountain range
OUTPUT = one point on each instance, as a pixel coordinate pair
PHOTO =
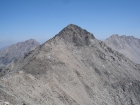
(3, 48)
(13, 52)
(72, 68)
(127, 45)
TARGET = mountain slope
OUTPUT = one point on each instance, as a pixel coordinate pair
(3, 48)
(73, 68)
(15, 51)
(127, 45)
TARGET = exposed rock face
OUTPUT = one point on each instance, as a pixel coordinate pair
(127, 45)
(67, 72)
(75, 34)
(15, 51)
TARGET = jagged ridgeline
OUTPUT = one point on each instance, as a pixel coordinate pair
(73, 68)
(127, 45)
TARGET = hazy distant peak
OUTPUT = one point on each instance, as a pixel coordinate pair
(121, 37)
(3, 48)
(31, 40)
(127, 45)
(75, 34)
(127, 37)
(115, 35)
(17, 50)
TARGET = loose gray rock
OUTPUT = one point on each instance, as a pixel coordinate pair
(72, 70)
(127, 45)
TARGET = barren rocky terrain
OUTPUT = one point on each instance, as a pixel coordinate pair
(127, 45)
(13, 52)
(72, 68)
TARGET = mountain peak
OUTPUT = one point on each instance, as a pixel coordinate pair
(62, 73)
(72, 25)
(17, 50)
(115, 36)
(127, 45)
(31, 40)
(75, 34)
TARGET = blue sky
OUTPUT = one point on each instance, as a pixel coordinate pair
(42, 19)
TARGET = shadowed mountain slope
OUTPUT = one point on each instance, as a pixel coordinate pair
(73, 68)
(127, 45)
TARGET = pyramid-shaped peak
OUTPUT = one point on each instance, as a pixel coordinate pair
(73, 26)
(31, 40)
(75, 34)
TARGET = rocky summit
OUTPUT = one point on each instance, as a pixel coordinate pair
(127, 45)
(73, 68)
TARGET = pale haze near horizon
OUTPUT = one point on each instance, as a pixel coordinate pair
(42, 19)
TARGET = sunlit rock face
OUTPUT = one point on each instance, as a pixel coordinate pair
(73, 68)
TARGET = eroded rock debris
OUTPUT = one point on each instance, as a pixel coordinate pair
(73, 68)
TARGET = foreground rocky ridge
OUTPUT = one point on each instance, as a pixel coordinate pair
(75, 69)
(127, 45)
